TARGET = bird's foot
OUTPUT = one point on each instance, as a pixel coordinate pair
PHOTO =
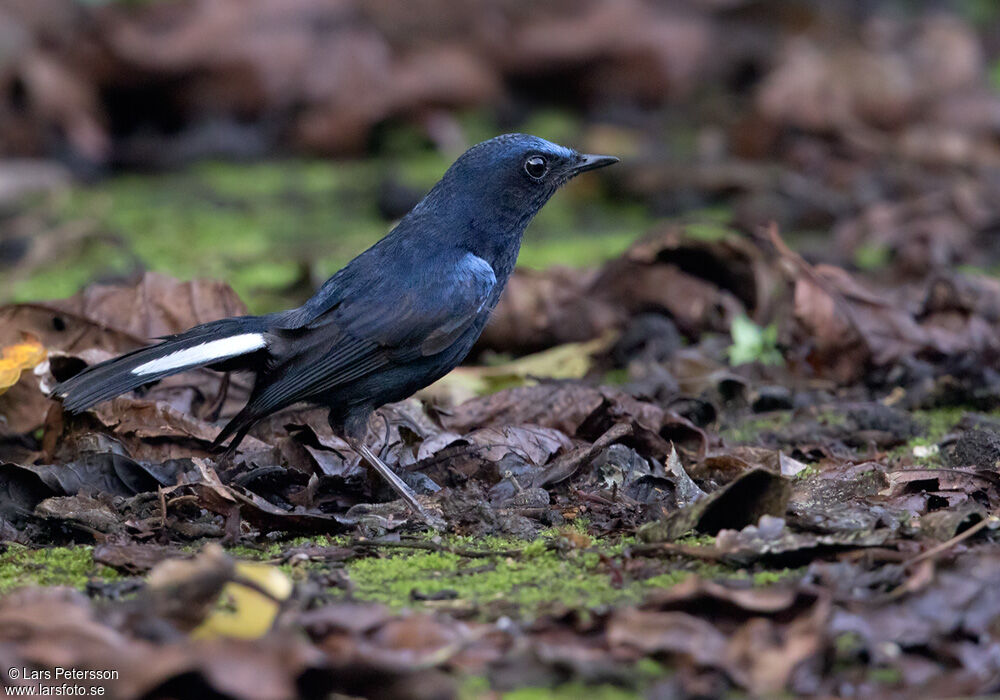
(431, 520)
(399, 486)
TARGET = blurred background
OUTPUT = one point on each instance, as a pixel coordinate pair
(267, 142)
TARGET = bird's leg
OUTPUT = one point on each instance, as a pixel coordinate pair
(398, 419)
(227, 456)
(386, 434)
(214, 408)
(397, 484)
(392, 418)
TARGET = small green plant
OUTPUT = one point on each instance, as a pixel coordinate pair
(980, 13)
(872, 256)
(994, 75)
(751, 343)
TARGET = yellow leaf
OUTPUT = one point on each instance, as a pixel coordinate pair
(569, 361)
(14, 359)
(242, 611)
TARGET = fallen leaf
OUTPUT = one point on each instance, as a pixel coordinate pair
(568, 361)
(25, 486)
(789, 466)
(14, 359)
(243, 612)
(113, 319)
(742, 502)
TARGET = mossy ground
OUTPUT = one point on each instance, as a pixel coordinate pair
(935, 425)
(58, 566)
(751, 429)
(932, 427)
(543, 575)
(532, 581)
(523, 578)
(276, 229)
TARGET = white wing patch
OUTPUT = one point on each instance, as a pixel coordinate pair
(205, 353)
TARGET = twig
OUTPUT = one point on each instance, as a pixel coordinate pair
(435, 547)
(944, 546)
(670, 548)
(163, 507)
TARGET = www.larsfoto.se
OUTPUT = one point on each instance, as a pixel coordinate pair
(61, 690)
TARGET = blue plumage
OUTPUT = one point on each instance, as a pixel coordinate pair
(396, 318)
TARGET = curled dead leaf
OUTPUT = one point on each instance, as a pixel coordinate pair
(741, 502)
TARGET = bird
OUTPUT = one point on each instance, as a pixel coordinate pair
(395, 319)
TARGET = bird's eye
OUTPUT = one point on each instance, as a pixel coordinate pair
(536, 167)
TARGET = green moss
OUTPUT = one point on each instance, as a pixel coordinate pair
(848, 644)
(263, 226)
(249, 224)
(696, 541)
(255, 553)
(981, 13)
(935, 425)
(751, 429)
(58, 566)
(768, 578)
(571, 691)
(831, 418)
(580, 525)
(589, 250)
(871, 256)
(540, 575)
(667, 580)
(259, 226)
(273, 550)
(537, 577)
(717, 216)
(708, 231)
(478, 688)
(938, 422)
(968, 270)
(615, 377)
(885, 676)
(809, 471)
(909, 451)
(546, 572)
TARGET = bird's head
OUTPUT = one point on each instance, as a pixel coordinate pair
(510, 177)
(525, 166)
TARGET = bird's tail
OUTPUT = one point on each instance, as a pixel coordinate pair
(214, 343)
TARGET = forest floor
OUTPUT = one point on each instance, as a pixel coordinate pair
(733, 430)
(676, 510)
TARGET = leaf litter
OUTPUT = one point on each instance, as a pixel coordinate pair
(688, 523)
(762, 469)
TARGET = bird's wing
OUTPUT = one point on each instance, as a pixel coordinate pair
(388, 320)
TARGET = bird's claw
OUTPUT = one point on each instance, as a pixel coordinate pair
(433, 521)
(399, 486)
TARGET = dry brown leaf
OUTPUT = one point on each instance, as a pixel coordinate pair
(111, 318)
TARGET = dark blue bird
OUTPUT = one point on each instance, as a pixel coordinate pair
(398, 317)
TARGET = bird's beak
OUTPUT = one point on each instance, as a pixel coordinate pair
(589, 161)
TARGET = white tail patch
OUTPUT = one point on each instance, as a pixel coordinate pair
(206, 353)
